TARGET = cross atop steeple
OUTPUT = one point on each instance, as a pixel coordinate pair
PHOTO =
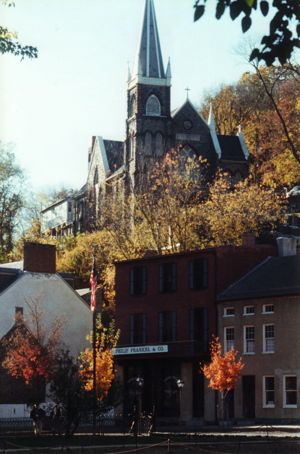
(187, 89)
(148, 62)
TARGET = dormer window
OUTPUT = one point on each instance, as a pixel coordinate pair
(153, 107)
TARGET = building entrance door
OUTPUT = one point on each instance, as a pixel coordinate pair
(248, 386)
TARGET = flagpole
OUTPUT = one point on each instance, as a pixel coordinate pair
(94, 373)
(93, 282)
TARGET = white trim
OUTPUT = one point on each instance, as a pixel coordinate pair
(251, 313)
(265, 351)
(138, 79)
(245, 352)
(225, 310)
(285, 405)
(226, 349)
(264, 309)
(265, 405)
(242, 142)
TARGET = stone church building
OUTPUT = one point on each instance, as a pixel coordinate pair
(151, 130)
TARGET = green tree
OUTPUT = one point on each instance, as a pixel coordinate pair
(9, 43)
(11, 200)
(284, 31)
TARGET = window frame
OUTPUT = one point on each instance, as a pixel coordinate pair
(245, 351)
(265, 390)
(285, 405)
(204, 274)
(225, 311)
(246, 307)
(265, 351)
(164, 286)
(226, 349)
(150, 113)
(264, 309)
(132, 280)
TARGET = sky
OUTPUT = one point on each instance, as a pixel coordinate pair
(76, 88)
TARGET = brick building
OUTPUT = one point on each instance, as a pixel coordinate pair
(259, 316)
(166, 311)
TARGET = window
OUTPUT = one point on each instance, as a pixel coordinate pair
(138, 329)
(228, 338)
(132, 106)
(198, 274)
(229, 311)
(148, 144)
(268, 392)
(249, 310)
(159, 144)
(249, 340)
(153, 106)
(290, 391)
(138, 280)
(268, 309)
(167, 326)
(199, 329)
(167, 277)
(268, 338)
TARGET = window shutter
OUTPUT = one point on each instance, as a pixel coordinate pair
(131, 329)
(161, 326)
(174, 325)
(191, 274)
(144, 332)
(205, 330)
(161, 278)
(192, 325)
(174, 276)
(205, 273)
(131, 281)
(144, 280)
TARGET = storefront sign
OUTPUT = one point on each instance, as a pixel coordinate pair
(138, 350)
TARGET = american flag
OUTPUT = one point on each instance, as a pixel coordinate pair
(93, 282)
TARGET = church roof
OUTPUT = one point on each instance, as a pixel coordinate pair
(231, 149)
(114, 152)
(149, 61)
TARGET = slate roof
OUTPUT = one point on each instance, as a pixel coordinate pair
(114, 152)
(149, 61)
(231, 148)
(275, 276)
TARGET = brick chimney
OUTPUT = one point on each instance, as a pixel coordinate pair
(248, 240)
(40, 258)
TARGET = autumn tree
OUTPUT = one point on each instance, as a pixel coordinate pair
(223, 371)
(266, 104)
(106, 339)
(284, 25)
(233, 210)
(32, 349)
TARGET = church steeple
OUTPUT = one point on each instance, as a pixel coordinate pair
(149, 62)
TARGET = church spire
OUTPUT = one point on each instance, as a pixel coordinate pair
(148, 62)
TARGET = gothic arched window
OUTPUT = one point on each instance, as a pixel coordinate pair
(153, 106)
(96, 177)
(159, 144)
(148, 144)
(132, 106)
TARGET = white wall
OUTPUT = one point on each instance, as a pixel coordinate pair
(56, 299)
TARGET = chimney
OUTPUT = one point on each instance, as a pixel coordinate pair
(40, 258)
(286, 246)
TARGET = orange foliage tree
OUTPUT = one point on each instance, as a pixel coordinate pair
(106, 339)
(31, 348)
(223, 371)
